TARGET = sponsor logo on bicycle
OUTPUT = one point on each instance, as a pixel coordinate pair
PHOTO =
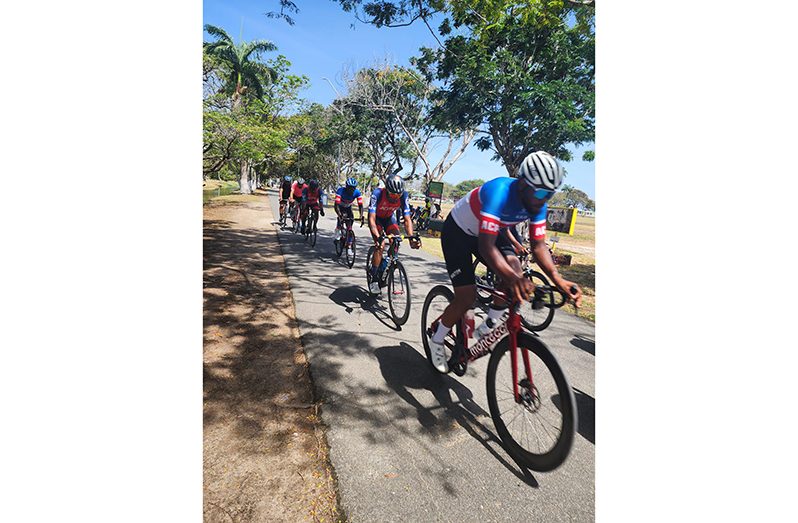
(488, 341)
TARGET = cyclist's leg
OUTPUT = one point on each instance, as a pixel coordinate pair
(458, 248)
(507, 250)
(347, 217)
(377, 258)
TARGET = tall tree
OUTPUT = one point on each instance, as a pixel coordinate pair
(245, 77)
(528, 86)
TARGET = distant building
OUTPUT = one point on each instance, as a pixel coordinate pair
(590, 214)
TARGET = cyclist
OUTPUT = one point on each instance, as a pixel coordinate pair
(311, 199)
(473, 227)
(427, 209)
(384, 202)
(285, 193)
(296, 192)
(344, 197)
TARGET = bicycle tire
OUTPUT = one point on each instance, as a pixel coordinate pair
(313, 232)
(399, 269)
(339, 249)
(538, 319)
(369, 256)
(484, 297)
(456, 334)
(350, 260)
(556, 456)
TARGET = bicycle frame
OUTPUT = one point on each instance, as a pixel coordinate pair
(511, 327)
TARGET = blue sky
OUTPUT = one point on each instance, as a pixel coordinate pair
(322, 42)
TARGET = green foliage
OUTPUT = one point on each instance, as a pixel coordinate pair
(243, 99)
(245, 73)
(523, 72)
(569, 196)
(462, 188)
(529, 86)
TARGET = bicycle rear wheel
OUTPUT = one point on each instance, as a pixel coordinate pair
(399, 294)
(487, 278)
(538, 319)
(313, 230)
(538, 430)
(350, 247)
(438, 298)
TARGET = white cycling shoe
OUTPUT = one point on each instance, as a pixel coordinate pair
(438, 356)
(374, 287)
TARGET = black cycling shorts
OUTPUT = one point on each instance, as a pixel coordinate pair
(458, 249)
(346, 213)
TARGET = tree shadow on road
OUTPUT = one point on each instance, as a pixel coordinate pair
(404, 369)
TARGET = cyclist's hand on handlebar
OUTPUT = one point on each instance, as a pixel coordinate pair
(415, 242)
(521, 288)
(572, 291)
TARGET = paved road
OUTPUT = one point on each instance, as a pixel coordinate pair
(411, 445)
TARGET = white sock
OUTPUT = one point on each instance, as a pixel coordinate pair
(441, 333)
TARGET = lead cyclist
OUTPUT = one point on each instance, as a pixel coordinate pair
(472, 228)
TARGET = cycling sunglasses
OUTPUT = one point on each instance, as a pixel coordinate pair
(542, 194)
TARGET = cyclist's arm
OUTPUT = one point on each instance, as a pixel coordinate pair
(375, 234)
(408, 225)
(493, 256)
(544, 261)
(508, 233)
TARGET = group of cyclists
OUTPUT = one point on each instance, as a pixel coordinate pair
(481, 225)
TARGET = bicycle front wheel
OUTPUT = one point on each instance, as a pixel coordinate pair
(369, 257)
(339, 248)
(350, 248)
(538, 428)
(399, 294)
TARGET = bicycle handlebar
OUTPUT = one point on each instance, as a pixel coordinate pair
(537, 297)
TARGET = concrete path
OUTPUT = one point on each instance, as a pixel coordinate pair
(408, 444)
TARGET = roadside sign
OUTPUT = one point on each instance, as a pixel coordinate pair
(435, 190)
(561, 219)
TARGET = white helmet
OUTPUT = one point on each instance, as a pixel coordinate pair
(541, 171)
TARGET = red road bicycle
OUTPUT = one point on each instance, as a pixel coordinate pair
(346, 241)
(531, 403)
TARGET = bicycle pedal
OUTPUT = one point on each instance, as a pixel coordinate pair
(459, 369)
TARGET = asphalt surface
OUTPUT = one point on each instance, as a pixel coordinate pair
(408, 444)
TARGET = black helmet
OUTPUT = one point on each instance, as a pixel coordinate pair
(426, 200)
(313, 184)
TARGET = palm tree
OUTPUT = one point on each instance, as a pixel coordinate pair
(244, 73)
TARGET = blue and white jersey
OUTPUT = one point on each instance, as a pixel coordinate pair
(494, 205)
(344, 200)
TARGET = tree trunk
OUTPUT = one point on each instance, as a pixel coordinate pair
(243, 181)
